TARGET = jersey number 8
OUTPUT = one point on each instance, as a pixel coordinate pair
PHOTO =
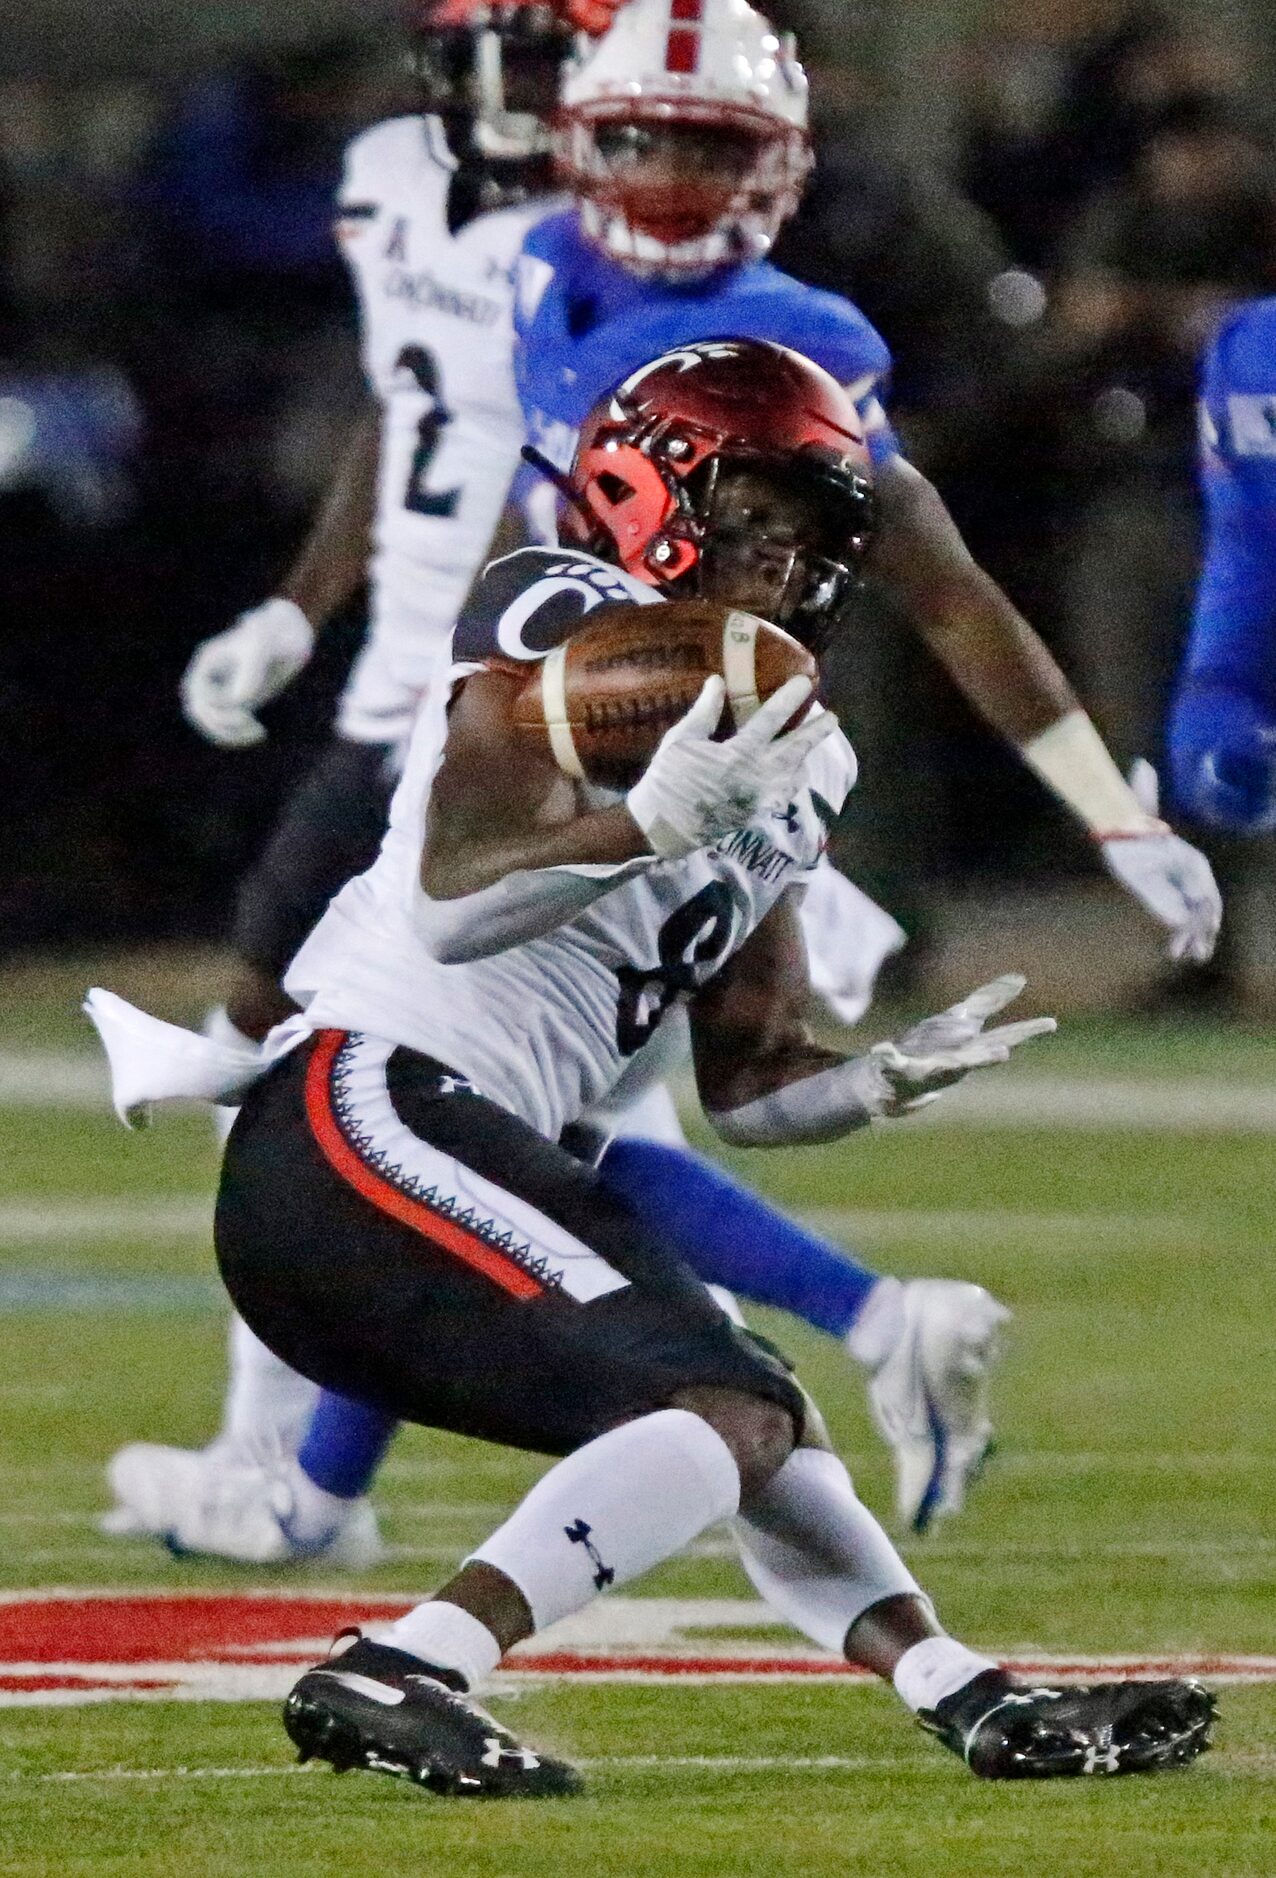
(691, 942)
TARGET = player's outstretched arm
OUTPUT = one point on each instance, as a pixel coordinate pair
(231, 675)
(510, 850)
(1010, 678)
(764, 1084)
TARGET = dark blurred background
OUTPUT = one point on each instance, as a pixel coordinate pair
(1044, 208)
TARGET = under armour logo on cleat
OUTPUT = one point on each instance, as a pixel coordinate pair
(604, 1575)
(497, 1753)
(1101, 1758)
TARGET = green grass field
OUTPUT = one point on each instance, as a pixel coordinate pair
(1129, 1510)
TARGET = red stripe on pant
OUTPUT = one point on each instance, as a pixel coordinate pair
(457, 1241)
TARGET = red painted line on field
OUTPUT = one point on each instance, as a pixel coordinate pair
(145, 1628)
(79, 1679)
(201, 1646)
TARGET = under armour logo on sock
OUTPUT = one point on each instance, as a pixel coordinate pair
(604, 1575)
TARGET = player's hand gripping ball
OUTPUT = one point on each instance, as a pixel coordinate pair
(602, 701)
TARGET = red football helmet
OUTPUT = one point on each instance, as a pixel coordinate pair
(728, 445)
(491, 69)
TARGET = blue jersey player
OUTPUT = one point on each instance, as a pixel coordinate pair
(1223, 726)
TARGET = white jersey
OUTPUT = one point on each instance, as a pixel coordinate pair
(546, 1028)
(437, 330)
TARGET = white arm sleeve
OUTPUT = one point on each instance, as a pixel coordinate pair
(524, 905)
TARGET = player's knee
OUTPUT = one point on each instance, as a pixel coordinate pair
(760, 1433)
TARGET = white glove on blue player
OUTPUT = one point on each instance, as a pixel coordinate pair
(232, 674)
(1170, 877)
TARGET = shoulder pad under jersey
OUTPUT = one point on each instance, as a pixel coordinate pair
(525, 604)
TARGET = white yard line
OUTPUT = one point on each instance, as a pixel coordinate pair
(50, 1221)
(1177, 1105)
(40, 1224)
(64, 1079)
(1230, 1761)
(704, 1763)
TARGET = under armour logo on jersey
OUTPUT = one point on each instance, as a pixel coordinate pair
(604, 1575)
(396, 249)
(789, 816)
(455, 1085)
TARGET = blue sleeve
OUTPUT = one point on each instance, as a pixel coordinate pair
(1222, 740)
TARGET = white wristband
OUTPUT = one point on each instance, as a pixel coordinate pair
(1072, 759)
(816, 1108)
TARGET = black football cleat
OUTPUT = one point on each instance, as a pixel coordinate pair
(379, 1708)
(1004, 1731)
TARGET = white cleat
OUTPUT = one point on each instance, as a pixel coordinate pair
(929, 1396)
(214, 1503)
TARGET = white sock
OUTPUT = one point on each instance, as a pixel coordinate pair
(934, 1668)
(445, 1635)
(613, 1509)
(815, 1552)
(218, 1026)
(876, 1330)
(268, 1406)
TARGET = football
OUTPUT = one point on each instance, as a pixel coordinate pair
(602, 701)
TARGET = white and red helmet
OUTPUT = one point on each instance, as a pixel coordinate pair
(714, 64)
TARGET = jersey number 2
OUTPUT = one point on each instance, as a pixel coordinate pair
(419, 497)
(694, 936)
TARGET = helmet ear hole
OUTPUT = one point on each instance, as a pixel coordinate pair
(615, 488)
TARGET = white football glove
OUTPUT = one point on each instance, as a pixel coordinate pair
(232, 674)
(1170, 877)
(940, 1050)
(695, 790)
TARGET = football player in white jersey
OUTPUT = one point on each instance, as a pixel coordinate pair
(929, 1370)
(397, 1219)
(433, 211)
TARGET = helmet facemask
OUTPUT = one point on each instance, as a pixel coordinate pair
(781, 539)
(491, 73)
(683, 136)
(680, 189)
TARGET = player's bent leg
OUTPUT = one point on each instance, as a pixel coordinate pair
(397, 1237)
(928, 1344)
(601, 1517)
(820, 1558)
